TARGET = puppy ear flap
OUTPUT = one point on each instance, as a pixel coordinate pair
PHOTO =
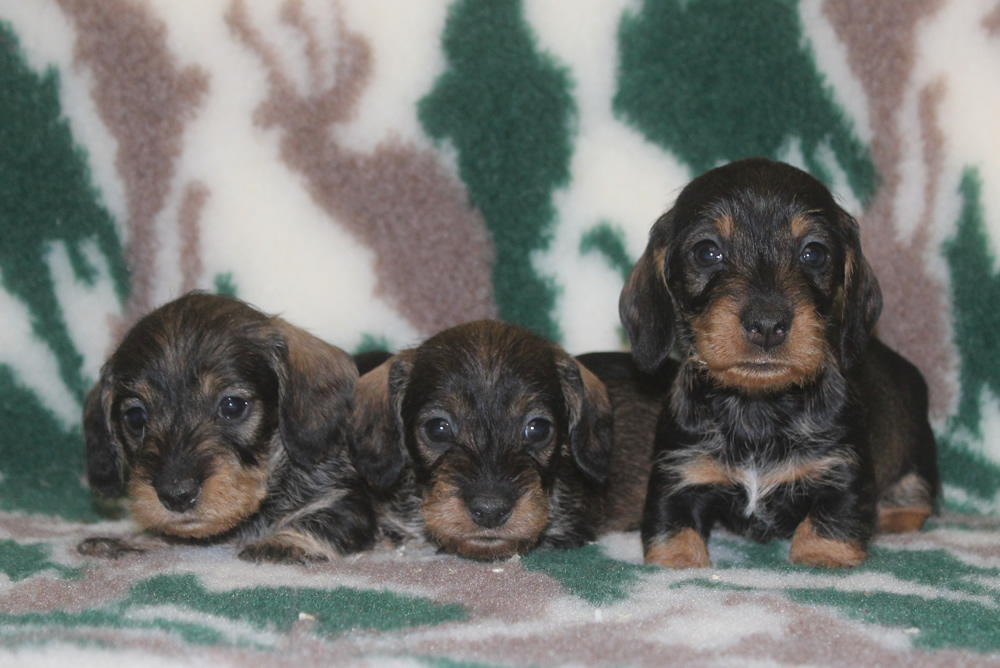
(646, 309)
(315, 395)
(862, 297)
(590, 418)
(105, 468)
(377, 441)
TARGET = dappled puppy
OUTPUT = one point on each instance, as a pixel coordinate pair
(222, 422)
(786, 419)
(486, 439)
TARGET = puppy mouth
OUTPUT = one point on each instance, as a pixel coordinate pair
(487, 545)
(760, 375)
(489, 548)
(751, 367)
(185, 520)
(762, 367)
(488, 541)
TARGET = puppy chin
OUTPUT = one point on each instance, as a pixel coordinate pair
(228, 498)
(448, 524)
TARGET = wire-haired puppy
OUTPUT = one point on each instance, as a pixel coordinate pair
(229, 424)
(786, 418)
(488, 440)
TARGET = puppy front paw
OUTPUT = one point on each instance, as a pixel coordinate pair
(810, 549)
(107, 548)
(901, 520)
(282, 549)
(685, 549)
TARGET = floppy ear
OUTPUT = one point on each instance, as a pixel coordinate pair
(105, 470)
(315, 395)
(862, 297)
(646, 309)
(377, 446)
(590, 418)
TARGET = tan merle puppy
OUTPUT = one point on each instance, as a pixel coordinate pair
(486, 439)
(787, 419)
(226, 423)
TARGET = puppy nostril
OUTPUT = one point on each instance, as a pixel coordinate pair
(489, 511)
(766, 333)
(179, 495)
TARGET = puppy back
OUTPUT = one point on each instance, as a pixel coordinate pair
(892, 394)
(637, 399)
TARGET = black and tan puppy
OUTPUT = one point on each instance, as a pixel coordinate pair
(488, 440)
(787, 419)
(228, 423)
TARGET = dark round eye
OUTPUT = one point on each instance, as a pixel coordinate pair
(538, 431)
(707, 253)
(814, 255)
(233, 408)
(438, 430)
(135, 419)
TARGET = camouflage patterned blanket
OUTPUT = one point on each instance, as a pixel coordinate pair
(377, 170)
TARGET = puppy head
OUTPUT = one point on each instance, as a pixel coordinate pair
(758, 275)
(198, 403)
(487, 415)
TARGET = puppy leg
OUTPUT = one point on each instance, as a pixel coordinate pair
(675, 521)
(906, 505)
(811, 549)
(903, 450)
(106, 547)
(685, 549)
(287, 547)
(338, 523)
(902, 520)
(841, 520)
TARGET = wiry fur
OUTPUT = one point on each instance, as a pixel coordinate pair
(786, 418)
(274, 475)
(489, 381)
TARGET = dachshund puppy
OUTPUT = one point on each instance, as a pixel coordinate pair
(229, 424)
(487, 440)
(786, 419)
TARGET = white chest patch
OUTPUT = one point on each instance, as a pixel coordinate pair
(758, 488)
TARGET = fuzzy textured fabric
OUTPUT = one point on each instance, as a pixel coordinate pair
(378, 170)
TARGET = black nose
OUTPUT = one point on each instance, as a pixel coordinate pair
(767, 329)
(489, 510)
(178, 494)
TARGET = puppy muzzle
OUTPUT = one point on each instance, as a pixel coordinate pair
(490, 510)
(178, 485)
(178, 494)
(766, 325)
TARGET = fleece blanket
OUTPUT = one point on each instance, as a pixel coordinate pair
(377, 170)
